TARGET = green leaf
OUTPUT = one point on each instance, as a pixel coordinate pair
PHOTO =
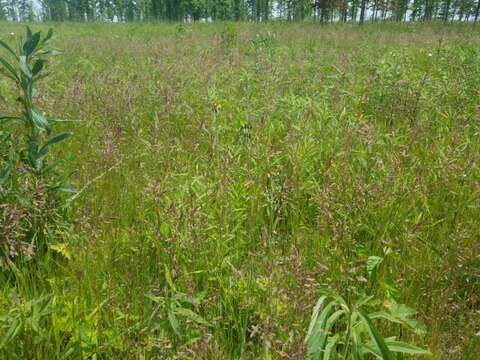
(9, 70)
(193, 300)
(356, 345)
(62, 249)
(331, 348)
(37, 66)
(168, 278)
(403, 347)
(8, 48)
(54, 139)
(395, 346)
(48, 36)
(165, 229)
(377, 339)
(11, 333)
(39, 121)
(328, 327)
(24, 67)
(363, 301)
(68, 353)
(319, 335)
(189, 314)
(340, 300)
(373, 262)
(5, 173)
(400, 314)
(31, 43)
(50, 52)
(33, 154)
(172, 319)
(7, 118)
(370, 348)
(313, 320)
(401, 310)
(156, 299)
(61, 187)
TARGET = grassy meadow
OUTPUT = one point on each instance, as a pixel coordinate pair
(231, 171)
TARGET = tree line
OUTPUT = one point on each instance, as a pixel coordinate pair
(240, 10)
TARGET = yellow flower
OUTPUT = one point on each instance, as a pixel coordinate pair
(217, 107)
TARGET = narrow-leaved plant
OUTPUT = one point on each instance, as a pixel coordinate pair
(339, 330)
(342, 330)
(24, 68)
(28, 183)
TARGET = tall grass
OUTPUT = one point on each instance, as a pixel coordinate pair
(246, 167)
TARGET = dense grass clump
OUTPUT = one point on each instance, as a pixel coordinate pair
(228, 172)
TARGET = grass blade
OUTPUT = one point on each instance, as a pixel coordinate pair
(316, 341)
(377, 339)
(313, 320)
(403, 347)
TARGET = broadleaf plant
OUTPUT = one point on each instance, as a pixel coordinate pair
(24, 66)
(176, 307)
(339, 330)
(32, 210)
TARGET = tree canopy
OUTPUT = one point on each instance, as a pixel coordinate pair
(239, 10)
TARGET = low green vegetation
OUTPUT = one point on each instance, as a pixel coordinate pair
(241, 191)
(342, 330)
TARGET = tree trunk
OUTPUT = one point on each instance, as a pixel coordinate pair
(362, 11)
(447, 11)
(477, 12)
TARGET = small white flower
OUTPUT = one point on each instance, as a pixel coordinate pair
(430, 54)
(12, 33)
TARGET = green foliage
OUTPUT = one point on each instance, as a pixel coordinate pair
(25, 68)
(31, 210)
(176, 305)
(231, 187)
(228, 37)
(264, 41)
(25, 321)
(347, 331)
(235, 10)
(182, 30)
(45, 325)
